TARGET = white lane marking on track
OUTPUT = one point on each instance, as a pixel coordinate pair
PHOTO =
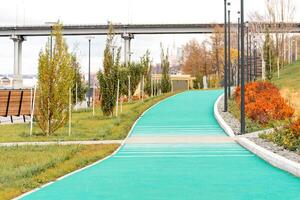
(179, 156)
(185, 152)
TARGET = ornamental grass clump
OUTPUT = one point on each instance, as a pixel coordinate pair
(264, 103)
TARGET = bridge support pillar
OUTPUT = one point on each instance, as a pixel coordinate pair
(127, 47)
(17, 77)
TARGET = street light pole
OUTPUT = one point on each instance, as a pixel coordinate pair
(255, 57)
(296, 48)
(51, 35)
(89, 78)
(243, 125)
(89, 72)
(238, 78)
(225, 56)
(250, 57)
(229, 54)
(247, 47)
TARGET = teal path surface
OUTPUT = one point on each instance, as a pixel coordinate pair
(178, 171)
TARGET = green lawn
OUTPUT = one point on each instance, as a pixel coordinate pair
(289, 77)
(84, 125)
(25, 168)
(289, 84)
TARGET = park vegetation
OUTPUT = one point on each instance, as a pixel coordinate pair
(288, 135)
(206, 59)
(276, 47)
(55, 81)
(25, 168)
(79, 88)
(129, 75)
(165, 80)
(108, 78)
(85, 126)
(264, 103)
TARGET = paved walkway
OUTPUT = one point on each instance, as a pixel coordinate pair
(177, 151)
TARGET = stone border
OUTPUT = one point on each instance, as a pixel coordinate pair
(270, 157)
(220, 120)
(97, 162)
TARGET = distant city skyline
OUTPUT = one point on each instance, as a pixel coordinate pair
(31, 12)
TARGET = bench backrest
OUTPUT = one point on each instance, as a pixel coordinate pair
(15, 102)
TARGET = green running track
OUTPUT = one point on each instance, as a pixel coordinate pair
(177, 171)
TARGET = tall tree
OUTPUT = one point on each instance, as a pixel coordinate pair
(165, 65)
(192, 60)
(217, 46)
(108, 78)
(147, 71)
(55, 79)
(269, 56)
(279, 14)
(205, 57)
(79, 89)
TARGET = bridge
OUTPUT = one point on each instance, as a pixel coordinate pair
(45, 30)
(127, 32)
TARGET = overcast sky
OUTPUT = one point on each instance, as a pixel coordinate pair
(30, 12)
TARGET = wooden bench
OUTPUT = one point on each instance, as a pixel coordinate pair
(15, 103)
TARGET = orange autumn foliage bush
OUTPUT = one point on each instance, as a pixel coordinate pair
(263, 102)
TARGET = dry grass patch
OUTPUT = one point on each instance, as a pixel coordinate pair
(292, 96)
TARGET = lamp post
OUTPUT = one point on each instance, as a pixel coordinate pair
(238, 71)
(296, 48)
(113, 47)
(247, 47)
(89, 75)
(51, 33)
(255, 59)
(243, 125)
(229, 54)
(225, 57)
(250, 57)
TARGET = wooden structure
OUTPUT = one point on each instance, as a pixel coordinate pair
(15, 102)
(180, 82)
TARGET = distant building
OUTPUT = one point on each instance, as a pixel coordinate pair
(28, 81)
(5, 82)
(175, 55)
(179, 82)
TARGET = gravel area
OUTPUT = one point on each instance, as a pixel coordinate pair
(276, 149)
(229, 118)
(254, 137)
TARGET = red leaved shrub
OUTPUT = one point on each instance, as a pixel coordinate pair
(263, 102)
